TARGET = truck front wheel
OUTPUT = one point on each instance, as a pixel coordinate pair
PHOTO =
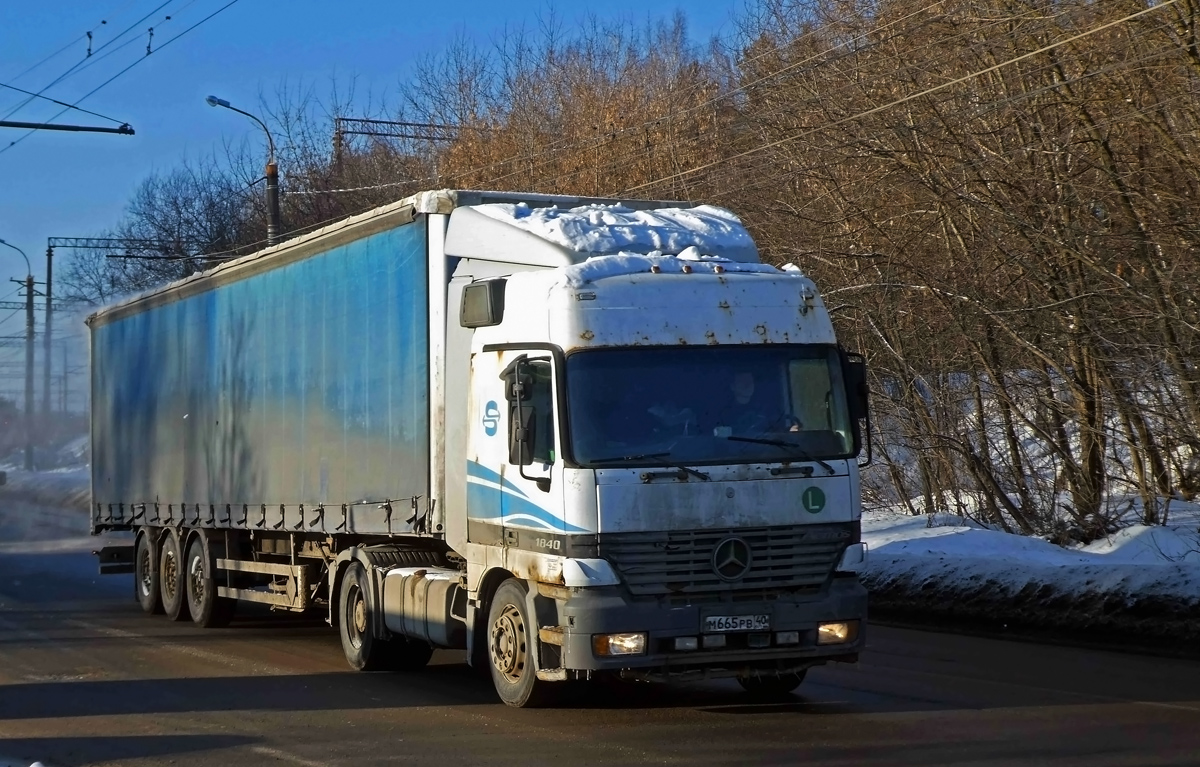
(145, 564)
(511, 635)
(171, 577)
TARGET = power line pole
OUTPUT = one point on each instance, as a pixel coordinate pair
(46, 341)
(28, 283)
(29, 373)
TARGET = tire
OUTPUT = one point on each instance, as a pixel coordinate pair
(772, 686)
(356, 624)
(171, 579)
(145, 572)
(207, 609)
(510, 650)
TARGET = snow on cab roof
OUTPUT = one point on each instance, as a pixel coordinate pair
(688, 261)
(600, 229)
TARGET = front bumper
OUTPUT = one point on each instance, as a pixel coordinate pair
(608, 610)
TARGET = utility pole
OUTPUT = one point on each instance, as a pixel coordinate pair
(272, 170)
(272, 173)
(46, 340)
(28, 283)
(29, 373)
(28, 355)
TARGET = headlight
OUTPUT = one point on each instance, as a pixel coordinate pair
(841, 632)
(619, 644)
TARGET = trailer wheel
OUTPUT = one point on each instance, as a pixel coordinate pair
(145, 573)
(772, 686)
(207, 609)
(171, 577)
(510, 649)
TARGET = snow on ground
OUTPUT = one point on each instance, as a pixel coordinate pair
(1143, 580)
(1140, 579)
(68, 487)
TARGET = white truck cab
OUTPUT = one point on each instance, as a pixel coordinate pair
(667, 445)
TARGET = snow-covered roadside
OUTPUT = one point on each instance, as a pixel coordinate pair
(67, 488)
(1139, 582)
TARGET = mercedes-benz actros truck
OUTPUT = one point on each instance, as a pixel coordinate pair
(572, 437)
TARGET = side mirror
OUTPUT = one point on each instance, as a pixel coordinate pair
(482, 304)
(857, 391)
(518, 387)
(521, 436)
(858, 397)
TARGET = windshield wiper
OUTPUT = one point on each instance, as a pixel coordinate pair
(804, 455)
(646, 456)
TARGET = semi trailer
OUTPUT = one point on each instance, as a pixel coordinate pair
(573, 437)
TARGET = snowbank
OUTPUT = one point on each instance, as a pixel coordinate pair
(1142, 581)
(68, 488)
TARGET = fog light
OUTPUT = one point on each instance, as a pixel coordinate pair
(619, 644)
(714, 641)
(686, 643)
(759, 640)
(787, 637)
(837, 633)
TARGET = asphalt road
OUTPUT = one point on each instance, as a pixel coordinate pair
(86, 679)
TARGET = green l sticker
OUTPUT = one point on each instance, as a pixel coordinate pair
(813, 500)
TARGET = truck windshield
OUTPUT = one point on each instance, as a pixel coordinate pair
(708, 405)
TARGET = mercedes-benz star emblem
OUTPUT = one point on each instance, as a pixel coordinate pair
(731, 559)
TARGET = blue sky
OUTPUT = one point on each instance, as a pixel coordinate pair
(76, 184)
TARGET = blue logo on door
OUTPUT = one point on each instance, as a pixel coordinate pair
(491, 419)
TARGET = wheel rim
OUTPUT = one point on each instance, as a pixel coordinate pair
(145, 572)
(507, 644)
(356, 616)
(196, 579)
(170, 573)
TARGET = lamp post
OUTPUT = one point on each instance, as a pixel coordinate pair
(272, 171)
(28, 356)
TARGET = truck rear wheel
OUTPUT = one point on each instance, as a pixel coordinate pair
(356, 625)
(207, 609)
(772, 686)
(171, 577)
(510, 647)
(145, 572)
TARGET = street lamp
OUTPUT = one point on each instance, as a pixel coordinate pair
(272, 171)
(28, 356)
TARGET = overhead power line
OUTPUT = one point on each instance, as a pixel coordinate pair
(904, 99)
(131, 66)
(60, 103)
(79, 63)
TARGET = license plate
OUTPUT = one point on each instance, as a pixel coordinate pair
(728, 623)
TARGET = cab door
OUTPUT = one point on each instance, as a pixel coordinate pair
(514, 475)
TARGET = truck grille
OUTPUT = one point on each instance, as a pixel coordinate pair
(678, 565)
